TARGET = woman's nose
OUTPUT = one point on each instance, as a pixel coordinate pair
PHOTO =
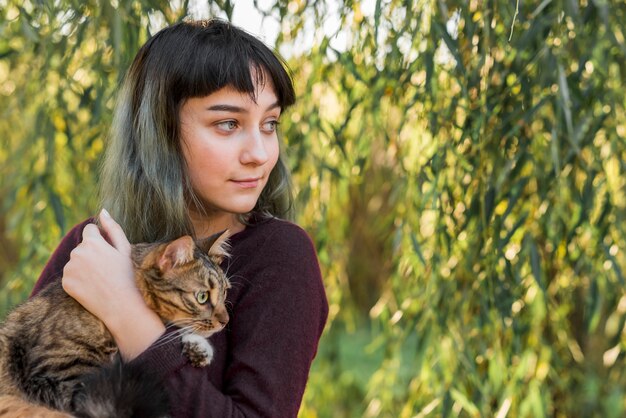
(255, 149)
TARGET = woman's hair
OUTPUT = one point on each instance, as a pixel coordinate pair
(144, 181)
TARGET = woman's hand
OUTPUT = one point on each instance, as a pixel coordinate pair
(100, 277)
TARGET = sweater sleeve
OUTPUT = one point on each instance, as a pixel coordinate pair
(273, 334)
(54, 267)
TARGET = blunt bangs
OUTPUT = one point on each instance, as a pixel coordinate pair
(212, 54)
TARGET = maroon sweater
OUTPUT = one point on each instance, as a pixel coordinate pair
(277, 308)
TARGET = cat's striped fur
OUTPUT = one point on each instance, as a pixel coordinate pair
(50, 344)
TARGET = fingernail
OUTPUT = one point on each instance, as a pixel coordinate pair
(106, 213)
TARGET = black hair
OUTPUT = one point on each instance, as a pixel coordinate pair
(144, 180)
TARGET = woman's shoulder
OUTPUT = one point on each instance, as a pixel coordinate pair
(54, 267)
(280, 226)
(274, 247)
(279, 235)
(278, 257)
(77, 230)
(74, 236)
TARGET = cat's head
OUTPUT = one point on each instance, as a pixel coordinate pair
(183, 282)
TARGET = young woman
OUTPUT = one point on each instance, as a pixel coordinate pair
(194, 149)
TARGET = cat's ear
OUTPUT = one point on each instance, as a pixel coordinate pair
(176, 253)
(216, 246)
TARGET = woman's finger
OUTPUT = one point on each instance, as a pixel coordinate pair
(91, 231)
(114, 232)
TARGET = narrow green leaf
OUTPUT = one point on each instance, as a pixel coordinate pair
(465, 403)
(503, 242)
(535, 261)
(488, 204)
(417, 249)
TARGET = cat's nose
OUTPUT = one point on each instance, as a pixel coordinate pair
(222, 316)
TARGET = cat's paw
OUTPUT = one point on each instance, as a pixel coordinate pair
(197, 349)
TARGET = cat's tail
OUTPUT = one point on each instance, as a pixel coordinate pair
(121, 391)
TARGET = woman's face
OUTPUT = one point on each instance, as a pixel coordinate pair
(230, 145)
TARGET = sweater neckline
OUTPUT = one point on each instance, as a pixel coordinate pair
(254, 221)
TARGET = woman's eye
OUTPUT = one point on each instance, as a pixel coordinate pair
(270, 126)
(202, 297)
(228, 125)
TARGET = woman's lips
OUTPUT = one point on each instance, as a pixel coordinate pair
(249, 183)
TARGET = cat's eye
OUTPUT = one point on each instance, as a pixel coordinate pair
(202, 297)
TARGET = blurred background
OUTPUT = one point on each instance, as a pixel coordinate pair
(460, 166)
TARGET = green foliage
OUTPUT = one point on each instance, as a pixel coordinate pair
(460, 166)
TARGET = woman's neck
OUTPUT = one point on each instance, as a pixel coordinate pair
(205, 225)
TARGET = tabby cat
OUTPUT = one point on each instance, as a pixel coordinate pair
(51, 347)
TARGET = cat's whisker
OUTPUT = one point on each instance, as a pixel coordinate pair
(179, 322)
(235, 280)
(169, 337)
(227, 272)
(166, 340)
(175, 335)
(182, 330)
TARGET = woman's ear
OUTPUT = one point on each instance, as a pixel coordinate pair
(216, 246)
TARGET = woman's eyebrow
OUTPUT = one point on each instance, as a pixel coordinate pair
(237, 109)
(273, 106)
(226, 108)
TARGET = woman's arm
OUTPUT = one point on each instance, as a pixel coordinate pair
(54, 267)
(100, 276)
(272, 337)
